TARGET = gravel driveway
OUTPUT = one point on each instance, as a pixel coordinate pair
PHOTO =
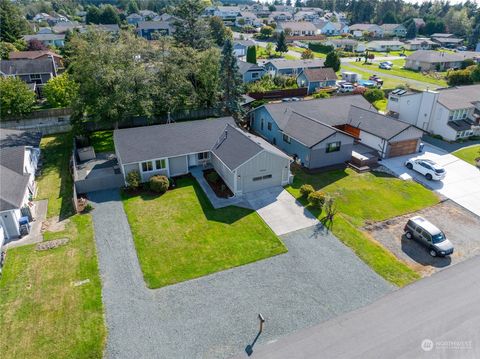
(460, 226)
(216, 316)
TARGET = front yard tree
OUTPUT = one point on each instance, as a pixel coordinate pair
(15, 97)
(60, 91)
(307, 54)
(252, 54)
(282, 43)
(231, 82)
(333, 60)
(219, 31)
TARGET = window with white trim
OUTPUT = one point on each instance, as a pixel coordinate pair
(147, 166)
(260, 178)
(160, 164)
(333, 146)
(286, 138)
(203, 156)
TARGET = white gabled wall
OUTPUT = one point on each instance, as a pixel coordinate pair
(224, 172)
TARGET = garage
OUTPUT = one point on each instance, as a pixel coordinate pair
(178, 165)
(401, 148)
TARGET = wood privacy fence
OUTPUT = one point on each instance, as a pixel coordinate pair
(276, 94)
(49, 121)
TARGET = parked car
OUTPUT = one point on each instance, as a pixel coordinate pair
(428, 235)
(345, 87)
(385, 66)
(377, 79)
(428, 168)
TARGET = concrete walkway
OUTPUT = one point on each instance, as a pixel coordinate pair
(35, 235)
(280, 210)
(216, 316)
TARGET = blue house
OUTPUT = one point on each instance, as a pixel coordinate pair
(134, 19)
(317, 79)
(250, 72)
(150, 29)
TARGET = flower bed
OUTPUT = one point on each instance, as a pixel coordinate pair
(217, 184)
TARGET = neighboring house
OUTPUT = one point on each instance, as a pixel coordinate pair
(316, 79)
(419, 22)
(57, 40)
(45, 30)
(291, 67)
(428, 60)
(228, 14)
(441, 34)
(240, 47)
(134, 19)
(285, 8)
(321, 133)
(50, 19)
(37, 55)
(280, 16)
(342, 44)
(19, 153)
(451, 42)
(36, 72)
(331, 28)
(250, 72)
(297, 28)
(247, 19)
(306, 16)
(385, 45)
(259, 9)
(245, 162)
(420, 44)
(147, 15)
(63, 27)
(452, 113)
(358, 30)
(111, 28)
(150, 29)
(397, 30)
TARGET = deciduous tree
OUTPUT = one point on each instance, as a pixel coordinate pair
(15, 97)
(60, 91)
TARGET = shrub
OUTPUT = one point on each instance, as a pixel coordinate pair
(316, 199)
(212, 177)
(306, 189)
(133, 179)
(88, 208)
(159, 183)
(373, 95)
(321, 94)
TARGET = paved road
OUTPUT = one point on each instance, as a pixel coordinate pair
(461, 183)
(441, 311)
(216, 316)
(385, 75)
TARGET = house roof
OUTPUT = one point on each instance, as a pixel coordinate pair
(134, 16)
(456, 98)
(460, 125)
(363, 27)
(44, 37)
(385, 43)
(298, 26)
(375, 123)
(17, 67)
(435, 56)
(317, 75)
(441, 34)
(153, 25)
(14, 182)
(280, 64)
(12, 138)
(169, 140)
(447, 40)
(391, 27)
(419, 41)
(31, 55)
(244, 67)
(245, 43)
(108, 27)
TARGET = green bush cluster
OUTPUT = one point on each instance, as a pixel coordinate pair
(316, 199)
(321, 48)
(373, 95)
(133, 179)
(212, 177)
(159, 183)
(306, 189)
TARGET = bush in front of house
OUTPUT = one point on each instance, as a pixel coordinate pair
(306, 189)
(159, 184)
(133, 179)
(212, 177)
(316, 199)
(372, 95)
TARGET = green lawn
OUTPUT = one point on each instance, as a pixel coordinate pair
(102, 141)
(301, 50)
(179, 236)
(42, 314)
(468, 154)
(365, 197)
(388, 83)
(381, 105)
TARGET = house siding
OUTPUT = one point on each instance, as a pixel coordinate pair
(320, 158)
(224, 172)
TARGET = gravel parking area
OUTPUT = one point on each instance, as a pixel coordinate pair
(461, 227)
(216, 316)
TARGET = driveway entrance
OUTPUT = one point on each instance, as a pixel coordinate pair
(280, 210)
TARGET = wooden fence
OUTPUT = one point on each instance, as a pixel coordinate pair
(276, 94)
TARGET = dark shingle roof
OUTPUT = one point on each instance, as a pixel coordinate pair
(375, 123)
(17, 67)
(13, 182)
(175, 139)
(11, 138)
(296, 64)
(31, 55)
(435, 56)
(317, 75)
(243, 67)
(456, 98)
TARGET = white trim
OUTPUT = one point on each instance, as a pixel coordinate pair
(159, 158)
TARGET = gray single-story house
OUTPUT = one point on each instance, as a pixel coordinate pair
(250, 72)
(244, 161)
(291, 67)
(316, 79)
(322, 132)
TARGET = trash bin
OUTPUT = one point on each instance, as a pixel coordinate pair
(420, 148)
(24, 226)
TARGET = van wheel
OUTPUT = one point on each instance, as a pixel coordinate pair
(409, 235)
(433, 253)
(428, 176)
(409, 166)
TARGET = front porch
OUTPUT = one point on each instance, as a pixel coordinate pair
(217, 202)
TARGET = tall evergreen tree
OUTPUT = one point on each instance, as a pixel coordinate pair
(12, 24)
(192, 29)
(109, 15)
(132, 7)
(411, 29)
(282, 43)
(333, 60)
(252, 54)
(231, 82)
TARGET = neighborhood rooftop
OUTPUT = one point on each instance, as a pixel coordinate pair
(16, 67)
(288, 64)
(460, 97)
